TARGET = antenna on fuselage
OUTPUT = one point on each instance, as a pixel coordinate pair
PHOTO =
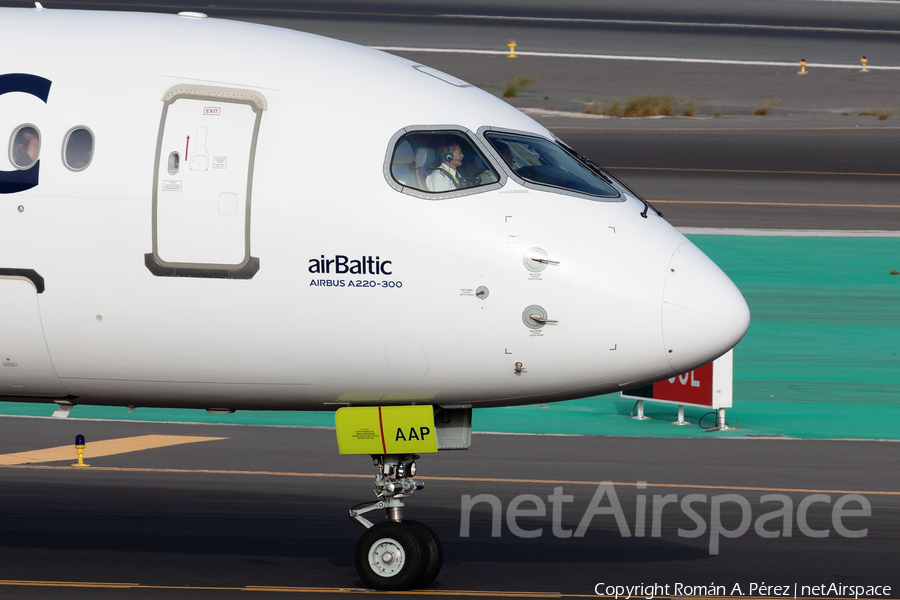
(38, 6)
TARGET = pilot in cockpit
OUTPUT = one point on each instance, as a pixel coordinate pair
(445, 178)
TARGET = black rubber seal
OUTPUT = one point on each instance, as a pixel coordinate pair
(245, 272)
(29, 274)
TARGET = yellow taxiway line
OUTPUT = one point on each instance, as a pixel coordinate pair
(470, 479)
(101, 448)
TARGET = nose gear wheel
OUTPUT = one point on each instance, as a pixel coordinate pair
(389, 556)
(434, 551)
(396, 555)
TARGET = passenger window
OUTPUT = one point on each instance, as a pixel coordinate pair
(78, 149)
(440, 162)
(25, 147)
(543, 162)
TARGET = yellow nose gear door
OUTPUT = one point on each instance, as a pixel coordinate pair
(203, 181)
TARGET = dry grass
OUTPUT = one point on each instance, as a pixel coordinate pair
(882, 113)
(650, 105)
(689, 109)
(766, 107)
(514, 86)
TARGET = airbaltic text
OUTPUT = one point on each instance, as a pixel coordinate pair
(340, 264)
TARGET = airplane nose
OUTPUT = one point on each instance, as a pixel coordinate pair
(703, 313)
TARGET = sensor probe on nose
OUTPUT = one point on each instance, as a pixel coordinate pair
(541, 319)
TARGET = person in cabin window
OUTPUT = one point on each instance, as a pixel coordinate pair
(26, 147)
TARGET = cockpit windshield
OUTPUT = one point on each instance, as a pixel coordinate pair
(542, 162)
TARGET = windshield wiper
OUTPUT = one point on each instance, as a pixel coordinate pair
(647, 205)
(608, 178)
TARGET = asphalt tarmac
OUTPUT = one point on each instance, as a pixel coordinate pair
(786, 173)
(264, 512)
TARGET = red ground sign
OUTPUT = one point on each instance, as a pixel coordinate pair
(709, 385)
(695, 387)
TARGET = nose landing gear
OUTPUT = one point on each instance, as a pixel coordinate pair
(396, 554)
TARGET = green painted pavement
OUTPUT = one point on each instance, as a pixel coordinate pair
(820, 359)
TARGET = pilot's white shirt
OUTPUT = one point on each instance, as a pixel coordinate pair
(445, 181)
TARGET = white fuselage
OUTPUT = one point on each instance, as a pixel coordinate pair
(634, 300)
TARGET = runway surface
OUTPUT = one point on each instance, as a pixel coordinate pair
(264, 509)
(785, 174)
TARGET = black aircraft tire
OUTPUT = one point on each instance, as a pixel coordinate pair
(434, 551)
(389, 556)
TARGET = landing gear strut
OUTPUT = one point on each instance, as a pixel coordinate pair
(396, 554)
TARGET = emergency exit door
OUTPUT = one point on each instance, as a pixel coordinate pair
(203, 182)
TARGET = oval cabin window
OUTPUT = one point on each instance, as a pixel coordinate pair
(78, 149)
(25, 147)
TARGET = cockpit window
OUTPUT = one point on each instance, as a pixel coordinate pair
(439, 162)
(25, 147)
(540, 161)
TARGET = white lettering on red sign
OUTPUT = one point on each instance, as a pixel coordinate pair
(683, 379)
(693, 387)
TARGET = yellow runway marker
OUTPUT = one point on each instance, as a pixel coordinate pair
(473, 480)
(68, 584)
(102, 448)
